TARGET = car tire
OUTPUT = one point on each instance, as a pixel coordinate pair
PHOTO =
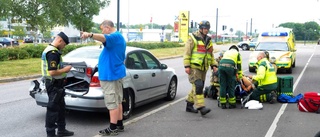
(127, 114)
(245, 47)
(172, 89)
(4, 45)
(294, 64)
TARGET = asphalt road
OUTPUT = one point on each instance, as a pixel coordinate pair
(20, 116)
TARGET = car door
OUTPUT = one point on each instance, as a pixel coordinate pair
(157, 76)
(139, 76)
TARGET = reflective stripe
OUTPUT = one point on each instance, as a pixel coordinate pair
(201, 54)
(44, 64)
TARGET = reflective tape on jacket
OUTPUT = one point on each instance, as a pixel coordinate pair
(201, 54)
(44, 64)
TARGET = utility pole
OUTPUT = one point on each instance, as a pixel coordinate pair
(246, 30)
(251, 28)
(216, 26)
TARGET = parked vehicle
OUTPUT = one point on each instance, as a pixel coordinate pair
(247, 45)
(6, 41)
(28, 40)
(147, 80)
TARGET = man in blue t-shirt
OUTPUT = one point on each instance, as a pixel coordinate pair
(111, 71)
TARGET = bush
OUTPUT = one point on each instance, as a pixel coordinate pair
(35, 51)
(4, 55)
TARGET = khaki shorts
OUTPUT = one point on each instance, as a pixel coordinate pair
(112, 92)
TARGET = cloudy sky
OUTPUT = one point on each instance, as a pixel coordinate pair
(232, 13)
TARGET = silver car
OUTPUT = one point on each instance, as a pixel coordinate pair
(147, 80)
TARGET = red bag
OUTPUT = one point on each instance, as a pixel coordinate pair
(310, 102)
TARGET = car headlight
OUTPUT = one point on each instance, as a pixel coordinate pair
(284, 59)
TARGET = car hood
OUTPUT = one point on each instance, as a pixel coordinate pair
(276, 54)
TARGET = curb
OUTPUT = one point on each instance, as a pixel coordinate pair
(19, 78)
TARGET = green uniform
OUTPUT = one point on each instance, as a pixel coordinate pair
(198, 56)
(229, 66)
(267, 81)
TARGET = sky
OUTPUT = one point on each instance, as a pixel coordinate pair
(236, 14)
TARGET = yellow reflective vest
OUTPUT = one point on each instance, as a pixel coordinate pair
(44, 63)
(201, 55)
(266, 73)
(235, 56)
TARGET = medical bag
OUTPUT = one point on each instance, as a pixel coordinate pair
(310, 102)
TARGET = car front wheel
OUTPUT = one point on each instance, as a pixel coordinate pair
(172, 90)
(245, 47)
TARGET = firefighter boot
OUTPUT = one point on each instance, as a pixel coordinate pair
(204, 110)
(190, 108)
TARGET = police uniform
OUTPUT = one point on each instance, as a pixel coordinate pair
(198, 57)
(55, 116)
(229, 67)
(267, 82)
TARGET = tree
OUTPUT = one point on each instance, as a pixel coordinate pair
(82, 17)
(19, 31)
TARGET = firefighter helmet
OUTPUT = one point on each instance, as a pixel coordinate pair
(204, 24)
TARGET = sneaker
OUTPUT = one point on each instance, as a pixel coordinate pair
(108, 132)
(65, 133)
(120, 128)
(273, 97)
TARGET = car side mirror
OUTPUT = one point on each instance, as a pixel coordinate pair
(163, 66)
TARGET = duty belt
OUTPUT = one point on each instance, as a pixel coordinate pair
(227, 65)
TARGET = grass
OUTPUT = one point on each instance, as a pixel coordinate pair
(27, 67)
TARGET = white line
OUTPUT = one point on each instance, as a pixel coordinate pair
(283, 107)
(149, 113)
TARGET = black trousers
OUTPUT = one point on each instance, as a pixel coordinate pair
(55, 116)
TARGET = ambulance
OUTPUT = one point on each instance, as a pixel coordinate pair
(280, 43)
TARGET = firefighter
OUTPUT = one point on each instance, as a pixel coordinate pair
(197, 59)
(214, 80)
(267, 80)
(229, 67)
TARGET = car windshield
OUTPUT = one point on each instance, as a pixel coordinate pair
(272, 46)
(84, 53)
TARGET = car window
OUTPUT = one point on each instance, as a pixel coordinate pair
(273, 46)
(1, 39)
(133, 62)
(150, 60)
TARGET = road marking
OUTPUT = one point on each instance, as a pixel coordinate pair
(283, 107)
(148, 114)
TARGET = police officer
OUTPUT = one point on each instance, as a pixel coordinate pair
(229, 67)
(267, 80)
(54, 75)
(197, 59)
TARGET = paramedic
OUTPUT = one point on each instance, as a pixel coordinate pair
(267, 80)
(229, 67)
(197, 59)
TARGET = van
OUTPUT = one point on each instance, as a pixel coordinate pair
(280, 43)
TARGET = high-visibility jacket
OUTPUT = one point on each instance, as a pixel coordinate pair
(266, 73)
(44, 63)
(234, 56)
(201, 54)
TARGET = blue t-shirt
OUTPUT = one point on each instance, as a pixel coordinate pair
(111, 61)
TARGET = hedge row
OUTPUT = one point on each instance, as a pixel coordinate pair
(34, 51)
